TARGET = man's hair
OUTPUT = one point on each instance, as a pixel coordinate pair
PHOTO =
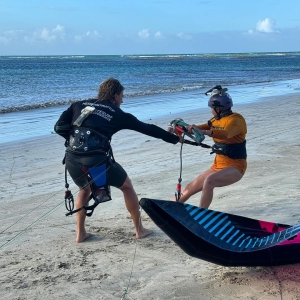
(108, 89)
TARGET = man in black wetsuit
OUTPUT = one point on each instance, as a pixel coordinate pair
(105, 119)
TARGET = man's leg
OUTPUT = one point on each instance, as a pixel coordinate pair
(132, 205)
(81, 199)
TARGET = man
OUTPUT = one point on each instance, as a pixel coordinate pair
(88, 147)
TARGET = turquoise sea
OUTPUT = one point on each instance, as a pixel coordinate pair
(34, 90)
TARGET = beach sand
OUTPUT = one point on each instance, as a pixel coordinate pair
(40, 259)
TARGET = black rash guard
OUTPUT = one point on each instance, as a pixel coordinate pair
(108, 119)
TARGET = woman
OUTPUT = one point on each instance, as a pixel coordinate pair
(228, 130)
(103, 119)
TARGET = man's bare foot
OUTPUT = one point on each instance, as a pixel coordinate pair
(143, 233)
(82, 237)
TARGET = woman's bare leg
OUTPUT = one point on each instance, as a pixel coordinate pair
(195, 186)
(221, 178)
(207, 181)
(132, 205)
(81, 199)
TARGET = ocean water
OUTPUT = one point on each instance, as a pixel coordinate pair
(34, 90)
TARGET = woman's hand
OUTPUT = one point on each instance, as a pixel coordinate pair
(190, 127)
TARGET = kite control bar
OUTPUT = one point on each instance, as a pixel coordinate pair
(198, 137)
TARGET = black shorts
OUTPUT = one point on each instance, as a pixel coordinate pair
(115, 174)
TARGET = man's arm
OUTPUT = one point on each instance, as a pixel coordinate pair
(63, 125)
(131, 122)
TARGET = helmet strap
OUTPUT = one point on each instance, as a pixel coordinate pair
(218, 112)
(222, 113)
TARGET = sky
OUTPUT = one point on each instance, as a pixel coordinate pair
(124, 27)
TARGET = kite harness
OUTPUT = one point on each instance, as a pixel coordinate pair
(86, 140)
(100, 194)
(198, 137)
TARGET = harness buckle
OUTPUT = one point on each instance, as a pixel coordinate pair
(83, 140)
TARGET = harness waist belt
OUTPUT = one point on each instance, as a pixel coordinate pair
(234, 151)
(86, 140)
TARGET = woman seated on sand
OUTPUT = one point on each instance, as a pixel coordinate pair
(228, 130)
(105, 119)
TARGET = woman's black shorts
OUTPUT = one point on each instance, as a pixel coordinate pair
(115, 174)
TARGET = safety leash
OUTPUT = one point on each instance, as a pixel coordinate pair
(178, 186)
(198, 137)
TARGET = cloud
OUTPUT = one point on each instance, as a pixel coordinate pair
(184, 36)
(59, 30)
(264, 26)
(144, 34)
(88, 35)
(158, 35)
(47, 35)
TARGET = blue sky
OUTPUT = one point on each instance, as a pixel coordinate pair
(31, 27)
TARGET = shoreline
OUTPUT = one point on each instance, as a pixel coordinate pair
(44, 262)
